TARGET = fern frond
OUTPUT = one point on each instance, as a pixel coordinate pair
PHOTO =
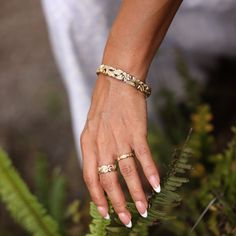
(21, 204)
(98, 224)
(41, 179)
(57, 197)
(167, 199)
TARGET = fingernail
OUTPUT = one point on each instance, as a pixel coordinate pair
(125, 219)
(103, 212)
(141, 208)
(158, 189)
(154, 181)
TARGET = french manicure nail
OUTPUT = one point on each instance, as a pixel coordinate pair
(125, 219)
(129, 225)
(141, 208)
(157, 189)
(154, 181)
(107, 217)
(103, 212)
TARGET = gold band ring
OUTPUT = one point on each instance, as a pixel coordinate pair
(106, 168)
(124, 156)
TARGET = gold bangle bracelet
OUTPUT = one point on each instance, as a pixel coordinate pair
(125, 77)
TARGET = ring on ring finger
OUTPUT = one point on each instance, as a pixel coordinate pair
(106, 168)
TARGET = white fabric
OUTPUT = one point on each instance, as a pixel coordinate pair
(78, 32)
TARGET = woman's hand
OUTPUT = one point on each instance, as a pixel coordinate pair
(117, 119)
(116, 125)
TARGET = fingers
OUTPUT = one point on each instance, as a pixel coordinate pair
(109, 181)
(103, 152)
(110, 184)
(129, 172)
(91, 178)
(144, 156)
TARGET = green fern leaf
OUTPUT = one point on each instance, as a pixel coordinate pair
(21, 204)
(98, 224)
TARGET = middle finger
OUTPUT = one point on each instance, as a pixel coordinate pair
(128, 170)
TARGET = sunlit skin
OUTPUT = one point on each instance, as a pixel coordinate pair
(117, 118)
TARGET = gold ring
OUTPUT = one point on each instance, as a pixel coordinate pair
(106, 168)
(124, 156)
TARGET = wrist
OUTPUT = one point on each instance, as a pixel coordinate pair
(125, 77)
(115, 88)
(129, 62)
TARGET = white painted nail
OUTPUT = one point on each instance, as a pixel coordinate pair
(129, 225)
(157, 189)
(107, 217)
(144, 215)
(141, 208)
(155, 182)
(103, 212)
(125, 219)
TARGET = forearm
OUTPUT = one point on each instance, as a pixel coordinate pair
(137, 33)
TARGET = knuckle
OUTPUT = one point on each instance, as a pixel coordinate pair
(96, 199)
(127, 170)
(99, 143)
(107, 183)
(142, 150)
(151, 167)
(83, 139)
(119, 206)
(92, 126)
(104, 115)
(88, 179)
(90, 123)
(137, 192)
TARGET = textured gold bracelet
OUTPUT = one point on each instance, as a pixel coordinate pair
(125, 77)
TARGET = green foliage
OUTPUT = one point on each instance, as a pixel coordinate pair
(41, 179)
(202, 140)
(163, 203)
(211, 203)
(51, 190)
(98, 224)
(213, 175)
(21, 204)
(221, 186)
(74, 215)
(73, 211)
(57, 197)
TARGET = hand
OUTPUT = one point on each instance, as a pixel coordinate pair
(117, 124)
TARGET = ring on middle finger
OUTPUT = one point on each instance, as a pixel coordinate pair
(124, 156)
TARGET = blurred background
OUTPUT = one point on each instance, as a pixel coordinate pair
(196, 63)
